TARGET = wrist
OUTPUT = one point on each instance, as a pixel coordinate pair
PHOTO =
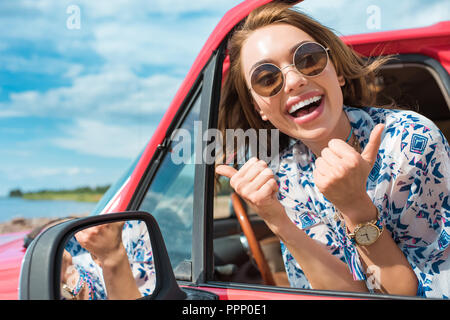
(277, 220)
(361, 211)
(366, 233)
(114, 260)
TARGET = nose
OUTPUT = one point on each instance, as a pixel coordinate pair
(293, 78)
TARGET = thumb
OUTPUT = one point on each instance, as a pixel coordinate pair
(371, 150)
(226, 171)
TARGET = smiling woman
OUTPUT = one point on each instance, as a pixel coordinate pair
(343, 191)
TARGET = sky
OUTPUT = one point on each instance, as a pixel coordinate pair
(83, 84)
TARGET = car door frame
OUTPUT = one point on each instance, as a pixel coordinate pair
(203, 223)
(202, 264)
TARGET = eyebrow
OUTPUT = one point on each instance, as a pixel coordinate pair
(291, 52)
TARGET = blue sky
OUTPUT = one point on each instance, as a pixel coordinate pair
(77, 105)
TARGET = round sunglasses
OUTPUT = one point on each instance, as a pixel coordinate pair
(310, 59)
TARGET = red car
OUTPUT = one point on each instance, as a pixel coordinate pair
(207, 254)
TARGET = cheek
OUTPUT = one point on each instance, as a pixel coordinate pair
(332, 86)
(336, 95)
(268, 106)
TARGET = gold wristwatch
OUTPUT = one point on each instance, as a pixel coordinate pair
(366, 233)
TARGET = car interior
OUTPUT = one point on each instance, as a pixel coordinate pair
(414, 82)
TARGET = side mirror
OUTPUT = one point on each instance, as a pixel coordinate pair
(74, 259)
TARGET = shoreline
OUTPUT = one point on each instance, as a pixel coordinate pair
(27, 224)
(80, 197)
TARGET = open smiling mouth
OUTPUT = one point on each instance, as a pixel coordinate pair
(305, 107)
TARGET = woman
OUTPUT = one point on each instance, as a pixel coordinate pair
(357, 194)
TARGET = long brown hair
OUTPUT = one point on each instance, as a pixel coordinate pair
(236, 110)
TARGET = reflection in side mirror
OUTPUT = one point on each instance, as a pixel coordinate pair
(108, 261)
(111, 256)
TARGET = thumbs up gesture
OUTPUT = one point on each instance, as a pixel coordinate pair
(341, 172)
(255, 183)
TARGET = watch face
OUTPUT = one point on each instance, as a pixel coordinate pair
(366, 235)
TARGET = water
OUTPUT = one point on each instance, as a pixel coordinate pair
(17, 207)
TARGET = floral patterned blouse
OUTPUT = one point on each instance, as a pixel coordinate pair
(137, 244)
(409, 184)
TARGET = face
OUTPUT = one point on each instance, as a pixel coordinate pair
(320, 97)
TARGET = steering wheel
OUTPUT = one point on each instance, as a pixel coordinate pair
(253, 243)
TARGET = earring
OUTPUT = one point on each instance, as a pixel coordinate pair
(263, 116)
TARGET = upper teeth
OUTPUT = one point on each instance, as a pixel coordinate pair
(304, 103)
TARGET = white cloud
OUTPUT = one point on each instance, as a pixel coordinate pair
(139, 9)
(127, 39)
(36, 64)
(350, 17)
(128, 30)
(106, 140)
(426, 15)
(74, 70)
(17, 153)
(124, 65)
(153, 44)
(17, 174)
(10, 113)
(115, 94)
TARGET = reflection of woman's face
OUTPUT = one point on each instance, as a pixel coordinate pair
(274, 43)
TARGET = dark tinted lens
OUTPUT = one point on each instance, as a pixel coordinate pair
(310, 59)
(267, 80)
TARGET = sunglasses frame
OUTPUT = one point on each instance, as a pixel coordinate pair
(292, 64)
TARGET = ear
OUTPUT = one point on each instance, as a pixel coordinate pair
(261, 113)
(341, 81)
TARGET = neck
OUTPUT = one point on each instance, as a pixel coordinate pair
(340, 131)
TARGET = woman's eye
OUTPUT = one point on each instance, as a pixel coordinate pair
(306, 61)
(267, 80)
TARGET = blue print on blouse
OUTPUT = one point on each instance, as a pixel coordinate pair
(307, 220)
(444, 240)
(375, 172)
(418, 143)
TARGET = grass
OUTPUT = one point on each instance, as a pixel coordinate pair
(74, 196)
(82, 194)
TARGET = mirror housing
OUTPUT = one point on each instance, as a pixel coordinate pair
(41, 267)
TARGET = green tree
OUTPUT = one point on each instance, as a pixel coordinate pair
(16, 193)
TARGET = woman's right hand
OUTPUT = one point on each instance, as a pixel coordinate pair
(104, 242)
(256, 184)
